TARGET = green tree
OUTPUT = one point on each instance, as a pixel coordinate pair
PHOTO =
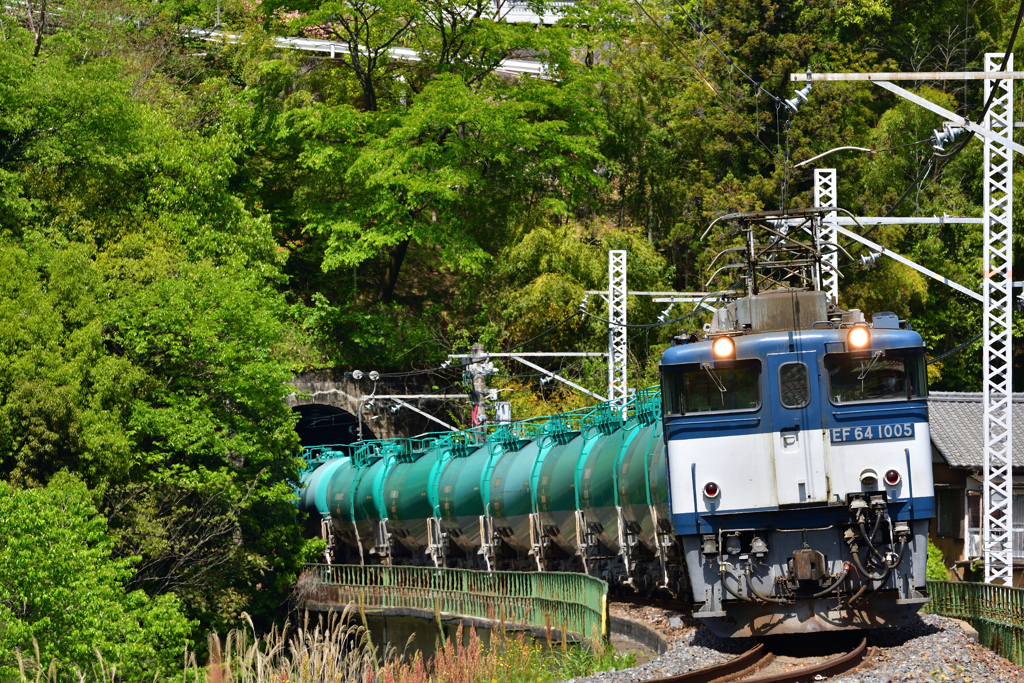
(143, 344)
(160, 382)
(62, 587)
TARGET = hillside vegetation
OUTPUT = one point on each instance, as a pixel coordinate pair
(186, 223)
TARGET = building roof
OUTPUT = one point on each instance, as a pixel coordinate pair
(955, 421)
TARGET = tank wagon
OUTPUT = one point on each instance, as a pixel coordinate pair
(581, 491)
(780, 478)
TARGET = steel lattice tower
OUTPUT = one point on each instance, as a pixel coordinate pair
(617, 332)
(997, 289)
(826, 194)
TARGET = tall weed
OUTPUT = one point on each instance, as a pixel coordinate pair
(337, 649)
(510, 658)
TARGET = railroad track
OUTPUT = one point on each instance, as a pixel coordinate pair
(644, 601)
(750, 667)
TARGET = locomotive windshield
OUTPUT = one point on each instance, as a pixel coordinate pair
(691, 389)
(890, 377)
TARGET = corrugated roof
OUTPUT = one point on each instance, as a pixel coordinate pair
(955, 420)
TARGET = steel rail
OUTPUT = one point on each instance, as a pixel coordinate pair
(746, 666)
(752, 658)
(817, 672)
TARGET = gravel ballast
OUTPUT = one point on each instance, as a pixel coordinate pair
(930, 648)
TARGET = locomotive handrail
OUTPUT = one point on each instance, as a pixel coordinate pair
(574, 603)
(996, 612)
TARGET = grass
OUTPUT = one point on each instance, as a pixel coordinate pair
(509, 659)
(337, 649)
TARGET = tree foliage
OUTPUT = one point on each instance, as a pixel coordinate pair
(409, 202)
(63, 590)
(143, 344)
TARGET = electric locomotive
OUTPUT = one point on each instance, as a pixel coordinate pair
(799, 466)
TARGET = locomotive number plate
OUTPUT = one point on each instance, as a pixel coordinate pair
(899, 430)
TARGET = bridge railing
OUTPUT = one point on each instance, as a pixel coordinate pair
(570, 602)
(997, 612)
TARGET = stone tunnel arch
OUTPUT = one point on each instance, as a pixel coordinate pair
(319, 390)
(321, 424)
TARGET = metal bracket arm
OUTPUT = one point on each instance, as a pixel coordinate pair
(911, 76)
(561, 379)
(424, 414)
(538, 354)
(907, 262)
(959, 120)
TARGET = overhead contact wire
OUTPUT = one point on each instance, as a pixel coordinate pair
(704, 78)
(970, 135)
(700, 29)
(956, 349)
(995, 87)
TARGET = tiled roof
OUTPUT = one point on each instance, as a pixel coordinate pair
(955, 420)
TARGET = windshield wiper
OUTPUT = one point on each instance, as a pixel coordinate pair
(716, 380)
(874, 359)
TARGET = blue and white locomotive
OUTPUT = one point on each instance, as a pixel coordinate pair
(799, 466)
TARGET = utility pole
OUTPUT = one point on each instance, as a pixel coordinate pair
(478, 371)
(997, 366)
(618, 332)
(826, 194)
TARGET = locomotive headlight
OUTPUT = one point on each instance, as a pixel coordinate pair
(869, 477)
(723, 347)
(892, 477)
(711, 489)
(858, 337)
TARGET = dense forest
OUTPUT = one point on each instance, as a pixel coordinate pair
(186, 221)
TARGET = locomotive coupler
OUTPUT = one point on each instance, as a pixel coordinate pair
(807, 565)
(806, 569)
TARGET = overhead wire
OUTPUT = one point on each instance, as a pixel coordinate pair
(956, 349)
(970, 136)
(704, 78)
(702, 32)
(995, 86)
(545, 332)
(428, 371)
(916, 184)
(860, 149)
(696, 309)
